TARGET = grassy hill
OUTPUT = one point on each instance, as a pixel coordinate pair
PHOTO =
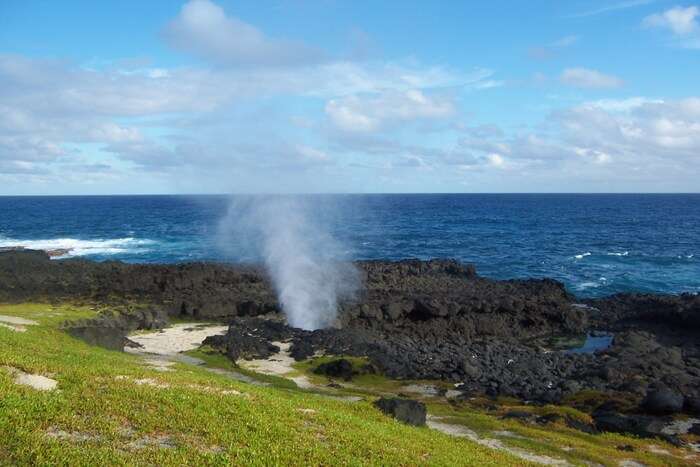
(109, 408)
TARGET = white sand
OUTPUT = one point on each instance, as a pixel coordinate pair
(38, 382)
(174, 339)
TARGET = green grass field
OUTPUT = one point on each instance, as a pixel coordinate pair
(111, 409)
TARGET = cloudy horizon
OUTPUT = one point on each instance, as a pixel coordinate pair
(205, 96)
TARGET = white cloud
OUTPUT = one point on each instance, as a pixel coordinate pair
(367, 114)
(681, 21)
(650, 142)
(620, 105)
(48, 105)
(496, 160)
(203, 29)
(587, 78)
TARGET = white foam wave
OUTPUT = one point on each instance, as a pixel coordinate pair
(624, 253)
(582, 255)
(80, 247)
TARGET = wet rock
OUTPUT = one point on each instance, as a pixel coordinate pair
(405, 410)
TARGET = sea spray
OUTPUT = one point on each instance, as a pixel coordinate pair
(304, 261)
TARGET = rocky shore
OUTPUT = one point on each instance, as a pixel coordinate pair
(435, 320)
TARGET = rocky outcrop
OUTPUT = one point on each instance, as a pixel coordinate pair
(198, 290)
(339, 368)
(424, 298)
(109, 330)
(415, 320)
(405, 410)
(429, 297)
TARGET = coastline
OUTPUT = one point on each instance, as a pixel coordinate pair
(432, 320)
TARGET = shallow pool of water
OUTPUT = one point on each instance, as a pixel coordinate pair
(593, 344)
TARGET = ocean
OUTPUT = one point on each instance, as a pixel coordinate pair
(596, 244)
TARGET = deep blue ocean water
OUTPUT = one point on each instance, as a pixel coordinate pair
(595, 244)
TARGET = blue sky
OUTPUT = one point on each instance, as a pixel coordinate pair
(212, 96)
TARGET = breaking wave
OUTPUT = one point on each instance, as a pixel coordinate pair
(78, 247)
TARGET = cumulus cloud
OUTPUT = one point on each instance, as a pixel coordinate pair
(47, 106)
(587, 78)
(682, 22)
(637, 131)
(203, 29)
(367, 114)
(679, 20)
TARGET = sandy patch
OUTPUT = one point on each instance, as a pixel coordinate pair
(279, 364)
(175, 339)
(463, 432)
(38, 382)
(16, 324)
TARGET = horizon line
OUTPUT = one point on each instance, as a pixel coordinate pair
(358, 194)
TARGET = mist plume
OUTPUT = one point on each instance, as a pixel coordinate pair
(301, 256)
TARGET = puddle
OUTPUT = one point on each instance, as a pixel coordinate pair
(593, 344)
(577, 344)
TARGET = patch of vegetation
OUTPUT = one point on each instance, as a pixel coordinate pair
(111, 409)
(101, 415)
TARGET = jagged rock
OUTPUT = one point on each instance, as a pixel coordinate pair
(405, 410)
(663, 400)
(340, 368)
(109, 330)
(413, 320)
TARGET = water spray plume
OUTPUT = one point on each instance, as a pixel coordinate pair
(300, 255)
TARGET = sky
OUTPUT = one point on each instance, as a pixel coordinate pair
(306, 96)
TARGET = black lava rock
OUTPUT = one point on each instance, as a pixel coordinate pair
(405, 410)
(663, 400)
(340, 368)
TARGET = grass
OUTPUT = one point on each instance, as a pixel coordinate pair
(190, 416)
(105, 418)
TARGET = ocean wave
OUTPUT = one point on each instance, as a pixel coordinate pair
(624, 253)
(582, 255)
(602, 281)
(80, 247)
